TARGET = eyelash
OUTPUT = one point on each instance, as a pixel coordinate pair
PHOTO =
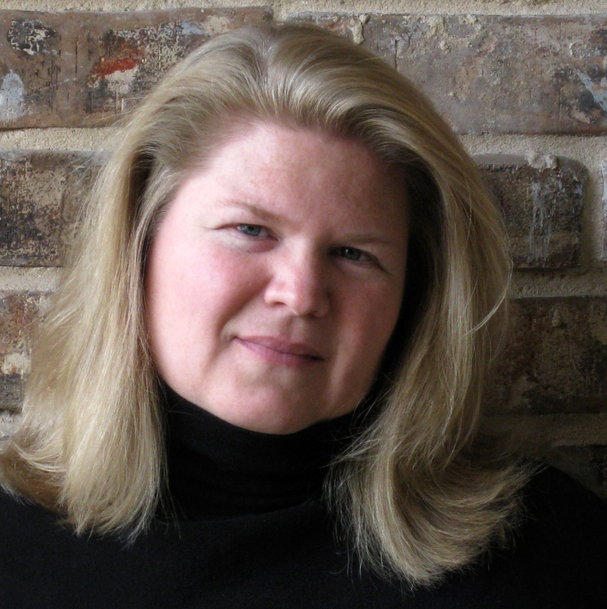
(244, 229)
(255, 231)
(344, 252)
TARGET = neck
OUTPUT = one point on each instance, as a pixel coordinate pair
(218, 469)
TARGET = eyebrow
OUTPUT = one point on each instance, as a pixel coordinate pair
(256, 210)
(365, 238)
(267, 216)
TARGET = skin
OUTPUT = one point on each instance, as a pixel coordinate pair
(276, 277)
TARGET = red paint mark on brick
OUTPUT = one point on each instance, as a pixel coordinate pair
(105, 67)
(120, 55)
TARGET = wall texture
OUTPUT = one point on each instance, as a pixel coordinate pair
(524, 83)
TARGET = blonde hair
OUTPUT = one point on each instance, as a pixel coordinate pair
(421, 490)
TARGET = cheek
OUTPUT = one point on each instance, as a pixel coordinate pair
(370, 325)
(195, 291)
(174, 288)
(366, 331)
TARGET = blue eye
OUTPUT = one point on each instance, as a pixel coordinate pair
(250, 230)
(351, 253)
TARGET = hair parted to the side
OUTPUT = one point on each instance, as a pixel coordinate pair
(421, 490)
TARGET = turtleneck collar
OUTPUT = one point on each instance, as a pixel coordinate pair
(218, 470)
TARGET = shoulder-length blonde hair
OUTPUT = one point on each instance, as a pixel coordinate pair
(420, 490)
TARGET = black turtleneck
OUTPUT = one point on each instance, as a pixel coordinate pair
(217, 469)
(246, 527)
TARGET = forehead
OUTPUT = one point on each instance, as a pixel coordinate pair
(275, 159)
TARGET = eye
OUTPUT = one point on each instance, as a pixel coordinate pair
(352, 253)
(251, 230)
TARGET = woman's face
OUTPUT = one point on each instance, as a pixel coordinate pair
(276, 277)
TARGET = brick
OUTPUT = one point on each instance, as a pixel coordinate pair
(603, 253)
(82, 69)
(555, 359)
(19, 312)
(555, 362)
(498, 74)
(537, 433)
(8, 423)
(492, 73)
(40, 193)
(542, 202)
(11, 391)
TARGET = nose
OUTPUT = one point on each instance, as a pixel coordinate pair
(298, 283)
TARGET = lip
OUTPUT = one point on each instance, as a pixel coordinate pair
(281, 351)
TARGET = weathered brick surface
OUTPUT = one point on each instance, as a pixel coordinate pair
(556, 358)
(8, 423)
(19, 313)
(542, 204)
(495, 74)
(556, 362)
(498, 74)
(603, 244)
(81, 69)
(40, 192)
(543, 432)
(11, 391)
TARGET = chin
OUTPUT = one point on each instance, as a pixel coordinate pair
(264, 419)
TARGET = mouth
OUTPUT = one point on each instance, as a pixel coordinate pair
(279, 351)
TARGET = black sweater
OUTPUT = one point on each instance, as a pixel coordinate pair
(248, 530)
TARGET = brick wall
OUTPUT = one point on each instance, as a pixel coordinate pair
(523, 82)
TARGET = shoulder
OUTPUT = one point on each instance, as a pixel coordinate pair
(558, 553)
(21, 518)
(29, 533)
(42, 558)
(556, 558)
(559, 510)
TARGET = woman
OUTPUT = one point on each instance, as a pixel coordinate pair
(274, 335)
